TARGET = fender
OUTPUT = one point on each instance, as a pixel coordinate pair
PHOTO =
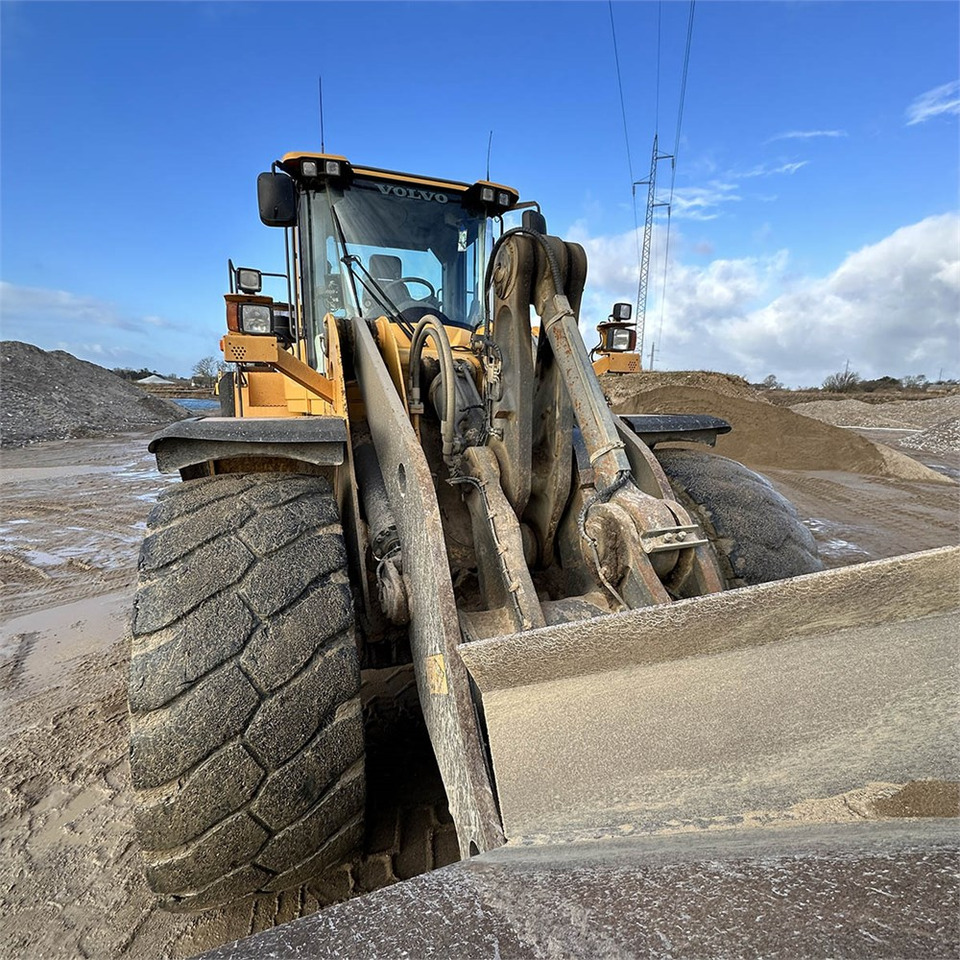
(198, 440)
(653, 428)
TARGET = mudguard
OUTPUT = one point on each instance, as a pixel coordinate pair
(318, 440)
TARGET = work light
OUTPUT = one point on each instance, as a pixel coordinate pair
(249, 280)
(256, 318)
(621, 339)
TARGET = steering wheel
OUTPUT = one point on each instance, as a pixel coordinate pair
(426, 283)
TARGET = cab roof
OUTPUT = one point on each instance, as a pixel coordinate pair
(292, 162)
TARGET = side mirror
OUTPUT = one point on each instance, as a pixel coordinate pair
(277, 197)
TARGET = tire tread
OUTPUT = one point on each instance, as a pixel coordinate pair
(246, 734)
(755, 531)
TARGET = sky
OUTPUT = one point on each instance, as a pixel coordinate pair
(815, 216)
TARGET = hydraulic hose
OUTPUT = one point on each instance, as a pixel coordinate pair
(430, 326)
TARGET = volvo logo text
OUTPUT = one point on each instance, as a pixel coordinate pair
(412, 193)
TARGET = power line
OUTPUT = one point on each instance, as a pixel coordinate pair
(623, 109)
(656, 119)
(673, 164)
(626, 140)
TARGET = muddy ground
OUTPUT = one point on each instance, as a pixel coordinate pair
(72, 516)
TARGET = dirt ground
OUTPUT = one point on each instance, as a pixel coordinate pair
(72, 514)
(72, 517)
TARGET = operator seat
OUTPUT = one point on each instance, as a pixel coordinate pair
(387, 271)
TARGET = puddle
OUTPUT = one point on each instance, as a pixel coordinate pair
(831, 541)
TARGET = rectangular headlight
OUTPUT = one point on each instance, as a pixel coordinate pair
(249, 280)
(618, 339)
(256, 318)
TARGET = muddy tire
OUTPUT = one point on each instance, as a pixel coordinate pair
(246, 735)
(755, 532)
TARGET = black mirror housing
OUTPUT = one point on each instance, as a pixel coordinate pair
(277, 197)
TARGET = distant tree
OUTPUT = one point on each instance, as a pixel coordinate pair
(881, 383)
(918, 382)
(206, 369)
(127, 374)
(771, 383)
(843, 381)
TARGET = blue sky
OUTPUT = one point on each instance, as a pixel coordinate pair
(815, 212)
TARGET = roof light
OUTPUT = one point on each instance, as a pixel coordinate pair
(622, 311)
(309, 168)
(332, 168)
(503, 199)
(249, 280)
(487, 194)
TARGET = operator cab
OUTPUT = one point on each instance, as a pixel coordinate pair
(379, 243)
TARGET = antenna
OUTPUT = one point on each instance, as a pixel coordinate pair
(489, 148)
(320, 88)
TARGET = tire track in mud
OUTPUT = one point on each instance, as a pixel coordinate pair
(71, 876)
(855, 517)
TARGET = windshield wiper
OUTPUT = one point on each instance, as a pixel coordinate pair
(377, 292)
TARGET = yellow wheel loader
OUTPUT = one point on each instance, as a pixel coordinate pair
(412, 467)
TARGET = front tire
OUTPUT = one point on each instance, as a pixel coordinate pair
(754, 531)
(246, 741)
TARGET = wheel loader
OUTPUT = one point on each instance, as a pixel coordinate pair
(415, 463)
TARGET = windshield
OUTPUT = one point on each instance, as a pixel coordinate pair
(410, 248)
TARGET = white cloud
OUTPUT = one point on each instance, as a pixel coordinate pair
(807, 134)
(892, 308)
(703, 203)
(765, 170)
(24, 307)
(90, 328)
(706, 202)
(943, 99)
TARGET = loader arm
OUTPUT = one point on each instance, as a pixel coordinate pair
(637, 543)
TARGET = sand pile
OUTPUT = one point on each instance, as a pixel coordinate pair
(623, 388)
(764, 435)
(905, 414)
(55, 396)
(942, 437)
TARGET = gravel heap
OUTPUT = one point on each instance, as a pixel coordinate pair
(903, 414)
(55, 396)
(942, 437)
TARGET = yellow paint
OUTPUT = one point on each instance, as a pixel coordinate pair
(335, 367)
(387, 338)
(617, 363)
(436, 670)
